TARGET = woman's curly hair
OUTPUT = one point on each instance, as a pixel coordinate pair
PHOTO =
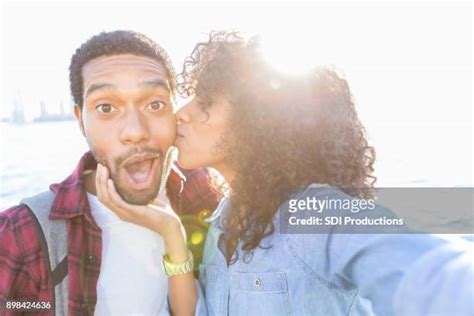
(285, 132)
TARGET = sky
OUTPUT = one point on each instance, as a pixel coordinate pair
(415, 58)
(409, 64)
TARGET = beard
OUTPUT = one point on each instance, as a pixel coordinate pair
(117, 171)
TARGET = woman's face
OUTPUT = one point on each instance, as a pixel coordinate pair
(202, 133)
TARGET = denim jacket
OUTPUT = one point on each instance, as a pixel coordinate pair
(310, 274)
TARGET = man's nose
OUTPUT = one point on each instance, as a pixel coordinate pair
(135, 128)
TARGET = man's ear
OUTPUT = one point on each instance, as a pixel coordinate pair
(78, 113)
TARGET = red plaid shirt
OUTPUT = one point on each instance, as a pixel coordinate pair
(23, 269)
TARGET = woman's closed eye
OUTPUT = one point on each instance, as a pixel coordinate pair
(203, 103)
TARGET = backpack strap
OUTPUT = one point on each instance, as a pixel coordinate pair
(53, 238)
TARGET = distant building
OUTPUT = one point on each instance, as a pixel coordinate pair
(46, 117)
(18, 114)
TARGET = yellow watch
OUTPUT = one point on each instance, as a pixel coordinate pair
(172, 269)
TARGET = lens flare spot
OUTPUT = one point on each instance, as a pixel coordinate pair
(203, 214)
(197, 238)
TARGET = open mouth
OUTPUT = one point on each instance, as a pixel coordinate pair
(142, 170)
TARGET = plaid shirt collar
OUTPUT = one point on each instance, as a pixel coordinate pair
(71, 196)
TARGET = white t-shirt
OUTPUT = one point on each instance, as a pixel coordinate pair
(131, 279)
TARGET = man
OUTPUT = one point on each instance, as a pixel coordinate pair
(123, 87)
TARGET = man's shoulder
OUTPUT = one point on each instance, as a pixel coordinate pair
(15, 217)
(195, 189)
(20, 249)
(17, 223)
(18, 235)
(190, 174)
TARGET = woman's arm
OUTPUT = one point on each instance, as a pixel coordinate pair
(160, 218)
(182, 292)
(443, 280)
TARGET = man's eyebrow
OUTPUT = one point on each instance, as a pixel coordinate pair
(97, 86)
(158, 83)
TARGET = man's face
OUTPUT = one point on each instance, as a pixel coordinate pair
(127, 118)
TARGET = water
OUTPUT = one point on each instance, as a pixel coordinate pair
(35, 155)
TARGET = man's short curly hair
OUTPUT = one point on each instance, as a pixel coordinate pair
(115, 43)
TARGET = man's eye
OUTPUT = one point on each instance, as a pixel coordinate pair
(106, 108)
(155, 106)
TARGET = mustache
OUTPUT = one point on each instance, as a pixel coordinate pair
(136, 150)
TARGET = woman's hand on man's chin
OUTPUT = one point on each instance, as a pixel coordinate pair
(156, 216)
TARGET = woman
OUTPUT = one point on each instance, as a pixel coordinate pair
(274, 139)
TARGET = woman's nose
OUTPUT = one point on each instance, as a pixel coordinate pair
(183, 115)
